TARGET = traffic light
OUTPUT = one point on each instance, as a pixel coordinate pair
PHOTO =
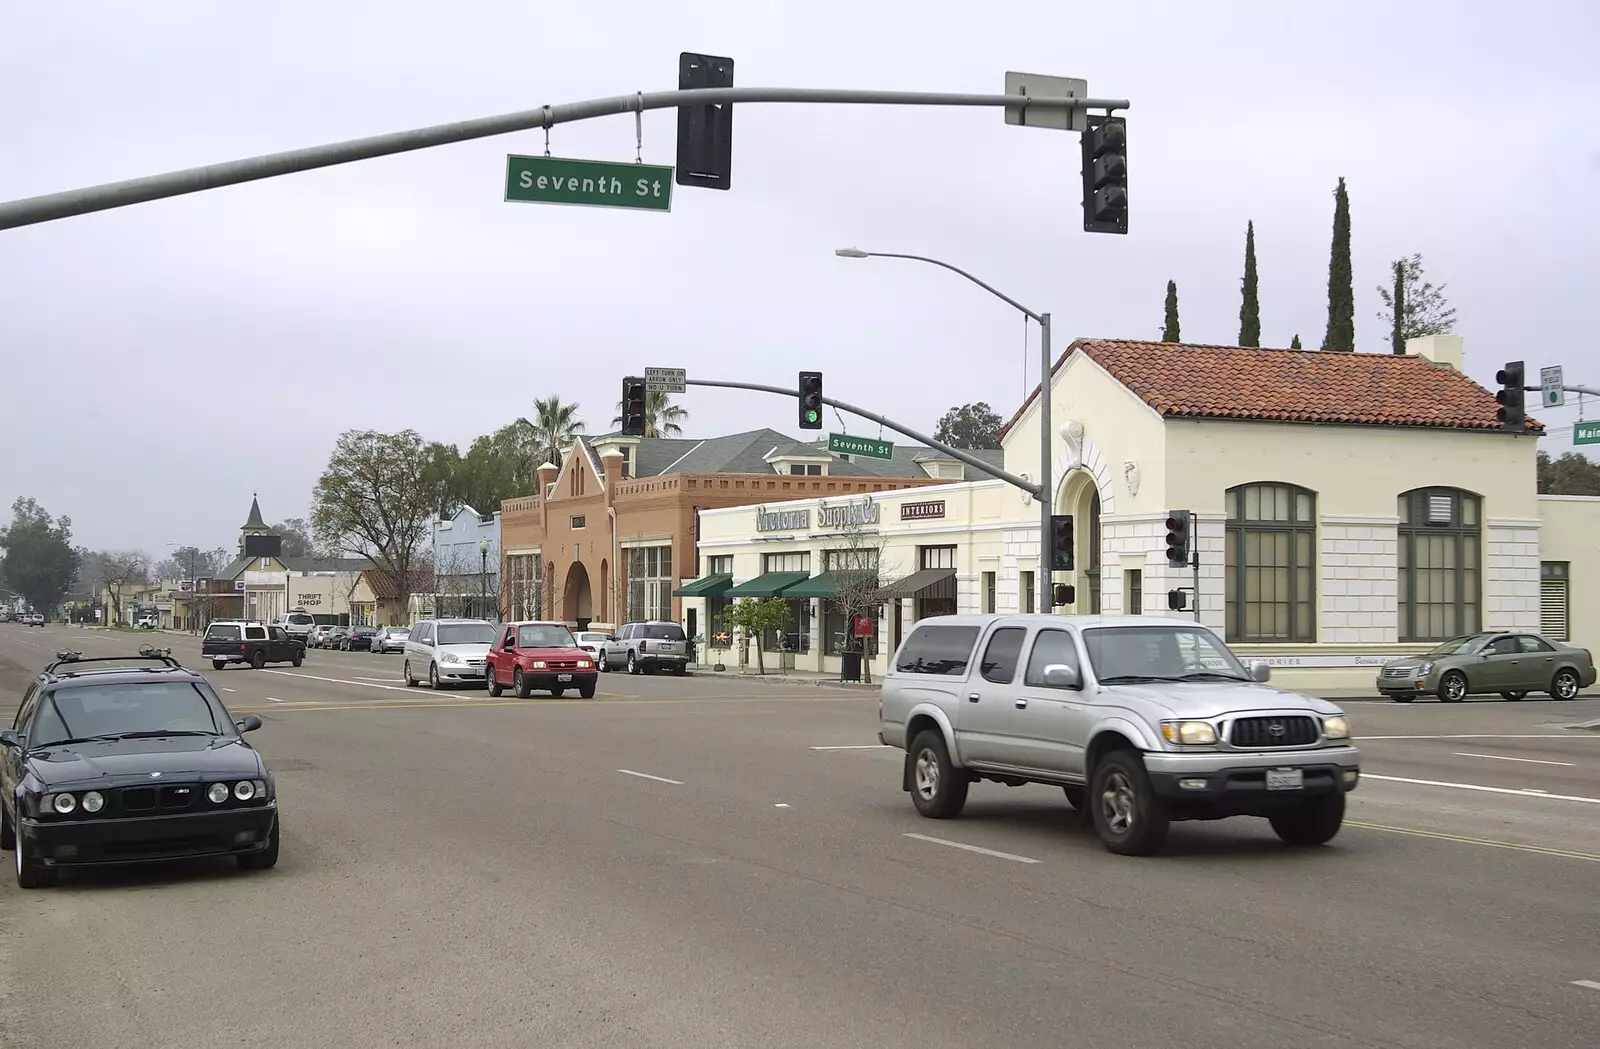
(1179, 540)
(1063, 594)
(1105, 175)
(1061, 543)
(1176, 600)
(1513, 409)
(810, 400)
(633, 412)
(705, 132)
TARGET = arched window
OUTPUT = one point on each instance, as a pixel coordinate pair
(1270, 583)
(1440, 549)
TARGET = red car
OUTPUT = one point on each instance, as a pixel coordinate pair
(541, 656)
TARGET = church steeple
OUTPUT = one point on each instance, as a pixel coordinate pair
(254, 525)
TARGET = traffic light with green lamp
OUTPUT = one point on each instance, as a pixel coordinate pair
(810, 400)
(633, 406)
(1513, 413)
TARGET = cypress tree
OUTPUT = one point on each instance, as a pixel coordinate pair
(1250, 308)
(1294, 344)
(1169, 332)
(1341, 333)
(1399, 340)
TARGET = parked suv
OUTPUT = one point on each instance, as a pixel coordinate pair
(448, 651)
(645, 647)
(1140, 720)
(298, 624)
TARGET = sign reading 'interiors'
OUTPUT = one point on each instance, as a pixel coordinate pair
(924, 511)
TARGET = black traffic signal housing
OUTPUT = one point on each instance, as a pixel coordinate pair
(1063, 594)
(810, 400)
(705, 132)
(1061, 543)
(1105, 174)
(1177, 600)
(633, 411)
(1180, 538)
(1513, 413)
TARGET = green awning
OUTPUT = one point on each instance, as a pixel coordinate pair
(705, 586)
(827, 584)
(772, 584)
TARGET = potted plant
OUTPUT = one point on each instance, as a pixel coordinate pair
(719, 644)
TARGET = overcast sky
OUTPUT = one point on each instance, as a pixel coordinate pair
(163, 361)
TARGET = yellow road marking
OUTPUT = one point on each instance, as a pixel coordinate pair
(1485, 842)
(474, 704)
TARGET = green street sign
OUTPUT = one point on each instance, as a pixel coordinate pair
(843, 442)
(588, 183)
(1586, 433)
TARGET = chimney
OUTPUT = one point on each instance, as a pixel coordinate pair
(547, 477)
(1440, 349)
(611, 464)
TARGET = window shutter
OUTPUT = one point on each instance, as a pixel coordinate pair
(1553, 609)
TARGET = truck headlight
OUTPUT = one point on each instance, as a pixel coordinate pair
(1189, 733)
(1335, 727)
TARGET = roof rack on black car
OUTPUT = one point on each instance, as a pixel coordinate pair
(146, 652)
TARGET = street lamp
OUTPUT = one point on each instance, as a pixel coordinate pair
(483, 573)
(1043, 492)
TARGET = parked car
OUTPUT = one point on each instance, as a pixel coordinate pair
(318, 636)
(298, 624)
(1513, 665)
(1141, 721)
(335, 637)
(647, 646)
(543, 656)
(389, 639)
(235, 641)
(592, 642)
(107, 764)
(448, 651)
(358, 638)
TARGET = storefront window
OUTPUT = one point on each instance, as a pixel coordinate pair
(1438, 559)
(717, 607)
(836, 637)
(1271, 563)
(523, 590)
(649, 582)
(936, 557)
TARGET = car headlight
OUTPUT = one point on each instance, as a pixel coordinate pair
(218, 793)
(584, 664)
(1335, 727)
(94, 801)
(537, 664)
(64, 803)
(449, 657)
(1424, 669)
(1189, 733)
(244, 790)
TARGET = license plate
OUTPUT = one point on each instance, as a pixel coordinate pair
(1285, 779)
(563, 677)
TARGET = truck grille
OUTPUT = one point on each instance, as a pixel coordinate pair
(1287, 731)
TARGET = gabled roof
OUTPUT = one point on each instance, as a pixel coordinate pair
(1184, 380)
(327, 564)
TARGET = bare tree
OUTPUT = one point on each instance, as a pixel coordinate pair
(858, 558)
(120, 568)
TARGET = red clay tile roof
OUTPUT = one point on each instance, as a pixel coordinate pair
(382, 582)
(1180, 380)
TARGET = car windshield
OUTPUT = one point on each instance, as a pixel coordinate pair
(1457, 645)
(544, 635)
(466, 634)
(664, 631)
(1125, 655)
(120, 708)
(222, 632)
(301, 619)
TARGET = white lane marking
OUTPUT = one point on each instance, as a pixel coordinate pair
(340, 680)
(780, 805)
(1503, 757)
(274, 699)
(1591, 984)
(646, 775)
(379, 680)
(855, 746)
(1552, 734)
(1479, 786)
(973, 848)
(230, 690)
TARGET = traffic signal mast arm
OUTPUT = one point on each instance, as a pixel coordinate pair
(1588, 391)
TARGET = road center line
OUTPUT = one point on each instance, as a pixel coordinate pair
(646, 775)
(230, 690)
(1490, 843)
(1481, 787)
(854, 746)
(1591, 984)
(274, 699)
(973, 848)
(1490, 735)
(340, 680)
(1502, 757)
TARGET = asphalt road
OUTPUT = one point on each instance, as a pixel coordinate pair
(711, 862)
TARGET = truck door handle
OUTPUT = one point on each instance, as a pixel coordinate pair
(1022, 704)
(972, 697)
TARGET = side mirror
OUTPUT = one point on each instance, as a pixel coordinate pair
(10, 738)
(248, 723)
(1059, 675)
(1260, 670)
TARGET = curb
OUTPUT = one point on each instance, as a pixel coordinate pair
(780, 679)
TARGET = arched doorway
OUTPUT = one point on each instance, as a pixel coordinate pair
(1080, 497)
(577, 601)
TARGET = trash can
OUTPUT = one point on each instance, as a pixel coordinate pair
(850, 666)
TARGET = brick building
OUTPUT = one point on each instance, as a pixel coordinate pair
(612, 531)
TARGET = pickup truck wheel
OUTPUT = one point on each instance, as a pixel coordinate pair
(259, 659)
(495, 688)
(1312, 822)
(938, 788)
(1453, 687)
(1128, 817)
(1564, 685)
(217, 664)
(523, 686)
(299, 657)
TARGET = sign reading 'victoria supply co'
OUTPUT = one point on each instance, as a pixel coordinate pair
(835, 515)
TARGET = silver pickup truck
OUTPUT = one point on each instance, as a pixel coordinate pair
(1141, 720)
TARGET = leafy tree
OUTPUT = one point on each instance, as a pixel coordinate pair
(40, 562)
(377, 499)
(1294, 343)
(1170, 330)
(118, 569)
(1572, 474)
(186, 562)
(1250, 307)
(296, 535)
(554, 426)
(662, 418)
(1414, 307)
(753, 616)
(1341, 333)
(969, 426)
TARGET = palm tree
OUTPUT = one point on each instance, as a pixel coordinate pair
(554, 426)
(662, 418)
